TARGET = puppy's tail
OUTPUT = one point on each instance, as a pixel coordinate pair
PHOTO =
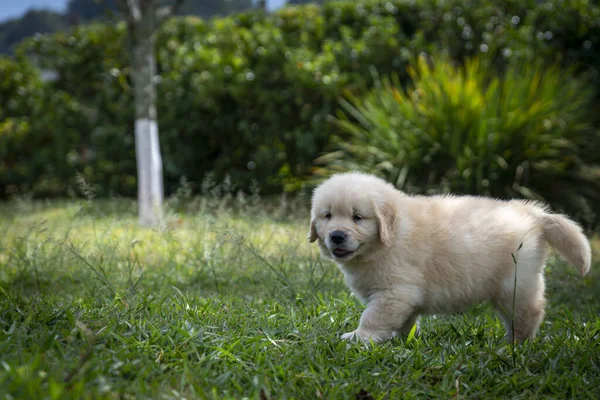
(567, 238)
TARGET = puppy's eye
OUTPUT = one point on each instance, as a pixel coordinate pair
(357, 218)
(328, 215)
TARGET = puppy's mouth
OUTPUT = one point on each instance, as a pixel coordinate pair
(342, 253)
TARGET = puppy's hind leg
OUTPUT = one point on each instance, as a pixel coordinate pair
(385, 315)
(528, 311)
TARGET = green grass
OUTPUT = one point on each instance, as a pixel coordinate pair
(226, 304)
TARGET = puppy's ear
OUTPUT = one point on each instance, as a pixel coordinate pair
(312, 232)
(386, 213)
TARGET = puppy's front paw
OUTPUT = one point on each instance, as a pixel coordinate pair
(350, 336)
(366, 336)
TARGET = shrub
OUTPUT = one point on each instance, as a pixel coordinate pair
(48, 137)
(525, 133)
(23, 156)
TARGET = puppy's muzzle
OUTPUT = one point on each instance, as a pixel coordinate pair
(337, 237)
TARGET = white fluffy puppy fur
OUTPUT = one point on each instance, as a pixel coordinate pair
(410, 255)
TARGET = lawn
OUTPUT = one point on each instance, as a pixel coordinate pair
(231, 301)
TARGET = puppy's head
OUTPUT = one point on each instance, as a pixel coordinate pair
(352, 215)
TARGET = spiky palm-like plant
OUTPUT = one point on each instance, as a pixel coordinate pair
(465, 129)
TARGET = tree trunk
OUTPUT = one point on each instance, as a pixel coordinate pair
(147, 147)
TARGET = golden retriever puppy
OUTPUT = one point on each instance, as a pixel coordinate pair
(411, 255)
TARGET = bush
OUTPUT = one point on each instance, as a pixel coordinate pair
(48, 137)
(89, 109)
(33, 153)
(525, 133)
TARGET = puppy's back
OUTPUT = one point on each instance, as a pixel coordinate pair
(474, 232)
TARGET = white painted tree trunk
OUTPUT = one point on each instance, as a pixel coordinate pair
(143, 19)
(149, 171)
(147, 147)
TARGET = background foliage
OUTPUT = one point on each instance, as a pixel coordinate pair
(250, 95)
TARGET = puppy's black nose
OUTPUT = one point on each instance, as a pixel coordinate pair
(337, 237)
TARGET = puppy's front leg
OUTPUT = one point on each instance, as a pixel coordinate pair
(384, 316)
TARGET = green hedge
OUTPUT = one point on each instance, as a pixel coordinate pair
(249, 96)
